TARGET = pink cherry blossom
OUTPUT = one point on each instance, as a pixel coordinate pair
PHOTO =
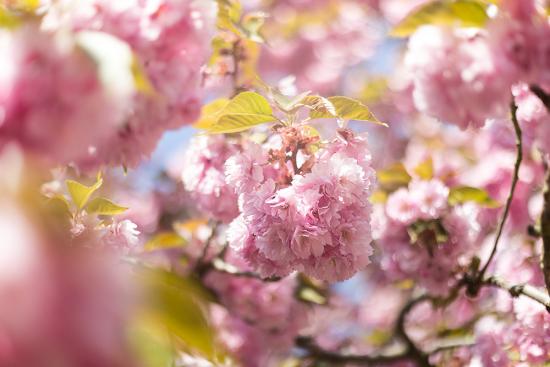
(203, 175)
(319, 224)
(456, 78)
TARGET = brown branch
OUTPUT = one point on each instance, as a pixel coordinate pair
(545, 233)
(207, 244)
(542, 95)
(515, 178)
(223, 267)
(400, 331)
(545, 216)
(320, 354)
(411, 351)
(521, 289)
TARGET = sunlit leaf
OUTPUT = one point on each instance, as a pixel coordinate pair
(210, 113)
(80, 193)
(164, 240)
(177, 303)
(21, 5)
(463, 194)
(374, 89)
(393, 177)
(237, 122)
(425, 170)
(118, 66)
(141, 80)
(463, 13)
(379, 337)
(151, 342)
(246, 110)
(310, 295)
(229, 15)
(252, 24)
(379, 197)
(60, 204)
(347, 109)
(103, 206)
(320, 106)
(8, 19)
(288, 103)
(310, 291)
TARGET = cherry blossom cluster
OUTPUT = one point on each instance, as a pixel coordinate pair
(61, 79)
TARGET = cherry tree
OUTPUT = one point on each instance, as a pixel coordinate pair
(274, 183)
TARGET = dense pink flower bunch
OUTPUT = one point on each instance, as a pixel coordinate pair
(464, 76)
(314, 54)
(52, 91)
(51, 94)
(280, 236)
(203, 175)
(456, 78)
(423, 238)
(78, 305)
(524, 343)
(319, 223)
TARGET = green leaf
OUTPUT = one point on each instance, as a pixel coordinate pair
(252, 24)
(229, 15)
(8, 19)
(463, 194)
(81, 193)
(286, 103)
(347, 109)
(246, 110)
(164, 240)
(59, 204)
(151, 343)
(425, 170)
(320, 106)
(462, 13)
(177, 303)
(210, 113)
(310, 291)
(310, 295)
(393, 177)
(103, 206)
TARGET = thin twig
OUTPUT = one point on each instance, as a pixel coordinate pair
(545, 233)
(515, 178)
(223, 267)
(207, 244)
(543, 96)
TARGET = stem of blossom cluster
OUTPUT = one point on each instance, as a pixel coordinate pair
(515, 178)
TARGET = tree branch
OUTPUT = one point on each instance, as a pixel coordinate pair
(334, 358)
(545, 233)
(521, 289)
(223, 267)
(515, 178)
(545, 215)
(543, 96)
(411, 351)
